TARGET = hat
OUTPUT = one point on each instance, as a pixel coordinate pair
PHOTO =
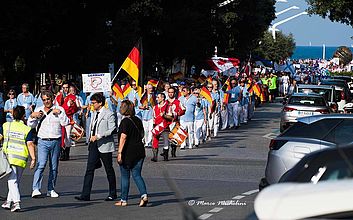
(174, 85)
(182, 83)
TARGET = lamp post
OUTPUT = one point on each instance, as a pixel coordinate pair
(287, 9)
(273, 28)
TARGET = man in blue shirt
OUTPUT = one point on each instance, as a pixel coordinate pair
(188, 102)
(200, 116)
(147, 115)
(26, 99)
(234, 102)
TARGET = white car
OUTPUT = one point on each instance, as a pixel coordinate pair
(328, 199)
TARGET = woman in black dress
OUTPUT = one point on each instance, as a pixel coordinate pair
(131, 153)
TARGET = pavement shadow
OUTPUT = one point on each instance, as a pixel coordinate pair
(60, 205)
(168, 201)
(193, 157)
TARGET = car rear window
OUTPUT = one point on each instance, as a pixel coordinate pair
(307, 101)
(317, 130)
(326, 93)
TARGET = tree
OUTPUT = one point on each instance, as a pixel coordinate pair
(280, 49)
(335, 10)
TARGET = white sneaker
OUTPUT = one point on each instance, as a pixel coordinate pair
(6, 205)
(36, 193)
(16, 207)
(52, 194)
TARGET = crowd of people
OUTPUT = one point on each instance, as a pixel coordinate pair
(173, 116)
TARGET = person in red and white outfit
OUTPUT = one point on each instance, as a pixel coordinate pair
(161, 127)
(175, 111)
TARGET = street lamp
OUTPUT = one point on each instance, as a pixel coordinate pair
(287, 9)
(273, 28)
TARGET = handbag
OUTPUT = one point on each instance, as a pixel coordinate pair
(5, 167)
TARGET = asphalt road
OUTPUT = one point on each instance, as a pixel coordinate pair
(218, 180)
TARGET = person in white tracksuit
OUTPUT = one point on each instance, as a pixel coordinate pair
(234, 103)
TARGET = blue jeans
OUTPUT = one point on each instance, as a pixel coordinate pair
(47, 149)
(136, 175)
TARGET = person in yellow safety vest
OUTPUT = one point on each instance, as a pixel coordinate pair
(18, 144)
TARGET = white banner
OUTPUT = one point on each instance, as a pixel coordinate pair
(96, 82)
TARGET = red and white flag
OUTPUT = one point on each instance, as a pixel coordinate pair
(221, 64)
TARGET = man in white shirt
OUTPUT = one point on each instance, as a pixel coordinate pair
(48, 120)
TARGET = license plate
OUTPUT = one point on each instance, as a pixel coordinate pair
(304, 113)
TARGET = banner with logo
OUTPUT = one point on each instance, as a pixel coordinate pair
(96, 82)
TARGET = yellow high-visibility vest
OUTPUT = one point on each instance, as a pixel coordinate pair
(15, 134)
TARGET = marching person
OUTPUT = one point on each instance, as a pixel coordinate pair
(100, 148)
(71, 105)
(214, 118)
(26, 99)
(147, 104)
(134, 97)
(48, 120)
(18, 145)
(200, 116)
(176, 111)
(234, 103)
(10, 104)
(244, 102)
(131, 153)
(161, 120)
(188, 103)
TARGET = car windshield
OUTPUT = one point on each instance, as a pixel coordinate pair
(307, 101)
(326, 93)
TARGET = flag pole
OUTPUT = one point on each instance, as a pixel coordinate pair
(116, 74)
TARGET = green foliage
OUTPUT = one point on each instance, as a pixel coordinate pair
(335, 10)
(280, 49)
(342, 74)
(86, 35)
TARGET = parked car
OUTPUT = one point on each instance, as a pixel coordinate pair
(309, 134)
(342, 90)
(326, 164)
(301, 105)
(327, 91)
(328, 199)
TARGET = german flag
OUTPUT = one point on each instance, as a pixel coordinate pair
(117, 91)
(143, 99)
(127, 89)
(256, 89)
(226, 95)
(209, 80)
(133, 65)
(206, 94)
(153, 82)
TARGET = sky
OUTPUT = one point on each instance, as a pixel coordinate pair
(313, 28)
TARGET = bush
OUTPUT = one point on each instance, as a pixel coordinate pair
(342, 74)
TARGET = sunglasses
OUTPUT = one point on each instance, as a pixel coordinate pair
(65, 87)
(47, 99)
(11, 93)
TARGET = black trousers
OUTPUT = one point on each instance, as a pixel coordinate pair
(94, 160)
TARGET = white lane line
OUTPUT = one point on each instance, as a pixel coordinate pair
(238, 197)
(251, 192)
(215, 210)
(270, 135)
(205, 216)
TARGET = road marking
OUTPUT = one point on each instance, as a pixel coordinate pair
(215, 210)
(205, 216)
(238, 197)
(270, 135)
(251, 192)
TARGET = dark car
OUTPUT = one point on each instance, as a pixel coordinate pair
(328, 164)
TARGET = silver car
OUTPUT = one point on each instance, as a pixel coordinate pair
(301, 105)
(309, 134)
